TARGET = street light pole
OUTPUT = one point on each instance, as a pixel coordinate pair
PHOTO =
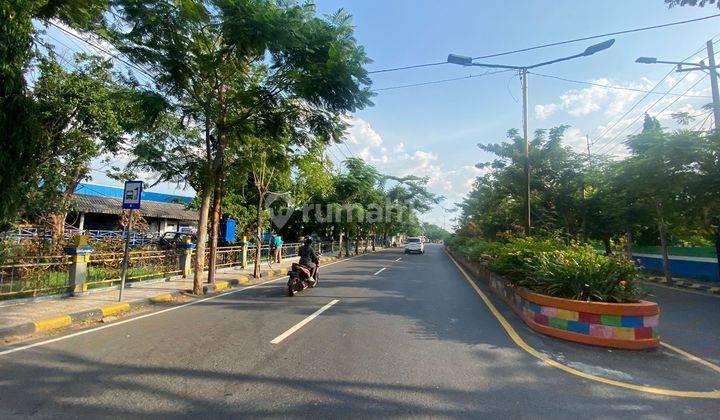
(714, 84)
(527, 149)
(711, 68)
(468, 61)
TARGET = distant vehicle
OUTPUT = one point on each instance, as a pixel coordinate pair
(170, 240)
(414, 244)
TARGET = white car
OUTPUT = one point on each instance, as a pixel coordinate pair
(414, 244)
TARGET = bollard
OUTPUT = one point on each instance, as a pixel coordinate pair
(244, 262)
(79, 254)
(185, 251)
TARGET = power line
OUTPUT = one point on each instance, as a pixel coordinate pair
(661, 111)
(553, 44)
(646, 28)
(416, 66)
(610, 127)
(702, 126)
(432, 82)
(609, 142)
(668, 93)
(99, 48)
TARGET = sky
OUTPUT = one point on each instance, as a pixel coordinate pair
(433, 130)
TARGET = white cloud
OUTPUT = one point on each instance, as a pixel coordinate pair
(423, 158)
(361, 133)
(575, 139)
(544, 111)
(579, 102)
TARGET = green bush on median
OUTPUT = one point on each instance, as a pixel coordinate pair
(553, 268)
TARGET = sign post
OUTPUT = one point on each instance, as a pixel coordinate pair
(131, 201)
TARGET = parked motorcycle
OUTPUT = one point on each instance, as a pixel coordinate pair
(299, 278)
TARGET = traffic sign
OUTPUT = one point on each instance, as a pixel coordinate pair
(131, 194)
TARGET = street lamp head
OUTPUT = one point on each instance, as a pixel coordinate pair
(598, 47)
(459, 59)
(646, 60)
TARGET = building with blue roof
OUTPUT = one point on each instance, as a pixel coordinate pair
(99, 208)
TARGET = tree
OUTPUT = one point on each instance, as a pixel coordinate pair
(700, 3)
(81, 117)
(24, 142)
(556, 186)
(224, 65)
(434, 232)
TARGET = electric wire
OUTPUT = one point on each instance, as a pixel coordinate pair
(552, 44)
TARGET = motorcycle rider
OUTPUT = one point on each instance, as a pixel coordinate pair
(309, 258)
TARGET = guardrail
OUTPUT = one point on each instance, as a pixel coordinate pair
(31, 276)
(34, 276)
(136, 238)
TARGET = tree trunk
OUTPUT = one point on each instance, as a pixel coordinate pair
(58, 229)
(216, 211)
(373, 241)
(608, 248)
(357, 244)
(628, 242)
(58, 219)
(717, 246)
(663, 242)
(258, 235)
(347, 243)
(218, 166)
(201, 239)
(340, 243)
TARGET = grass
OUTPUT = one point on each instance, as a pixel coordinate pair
(51, 282)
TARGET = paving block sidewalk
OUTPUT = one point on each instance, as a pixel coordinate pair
(41, 315)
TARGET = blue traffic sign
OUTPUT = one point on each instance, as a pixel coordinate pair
(132, 194)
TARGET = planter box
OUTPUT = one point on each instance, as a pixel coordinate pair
(632, 326)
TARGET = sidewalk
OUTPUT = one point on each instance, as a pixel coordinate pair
(711, 287)
(43, 315)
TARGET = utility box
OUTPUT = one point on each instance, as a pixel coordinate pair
(227, 230)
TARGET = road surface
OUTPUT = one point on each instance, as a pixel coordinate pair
(385, 334)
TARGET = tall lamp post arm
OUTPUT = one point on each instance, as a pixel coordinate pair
(523, 70)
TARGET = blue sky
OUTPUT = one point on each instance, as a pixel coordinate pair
(433, 130)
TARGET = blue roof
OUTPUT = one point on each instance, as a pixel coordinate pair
(117, 192)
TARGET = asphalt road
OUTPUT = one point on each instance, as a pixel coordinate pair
(412, 340)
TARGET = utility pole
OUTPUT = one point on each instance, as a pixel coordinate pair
(714, 84)
(587, 141)
(685, 66)
(524, 72)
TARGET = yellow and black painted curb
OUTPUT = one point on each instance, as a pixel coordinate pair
(685, 284)
(89, 315)
(541, 356)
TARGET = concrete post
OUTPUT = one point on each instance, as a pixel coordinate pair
(79, 255)
(185, 252)
(244, 252)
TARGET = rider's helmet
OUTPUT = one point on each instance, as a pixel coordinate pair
(308, 241)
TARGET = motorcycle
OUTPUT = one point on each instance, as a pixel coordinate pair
(299, 278)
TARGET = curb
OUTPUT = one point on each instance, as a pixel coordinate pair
(97, 314)
(713, 290)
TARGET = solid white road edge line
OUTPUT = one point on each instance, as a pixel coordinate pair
(379, 271)
(125, 321)
(302, 323)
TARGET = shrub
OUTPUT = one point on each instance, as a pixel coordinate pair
(552, 268)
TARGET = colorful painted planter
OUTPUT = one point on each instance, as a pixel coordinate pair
(632, 326)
